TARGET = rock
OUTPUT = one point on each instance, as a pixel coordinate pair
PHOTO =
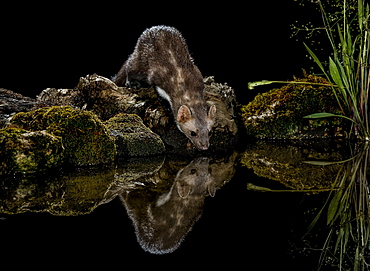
(12, 103)
(278, 113)
(94, 93)
(85, 138)
(132, 137)
(225, 129)
(27, 152)
(105, 99)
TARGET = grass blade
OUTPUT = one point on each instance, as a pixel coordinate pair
(326, 115)
(315, 58)
(334, 206)
(334, 72)
(252, 85)
(321, 115)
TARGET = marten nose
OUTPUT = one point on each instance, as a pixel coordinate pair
(203, 146)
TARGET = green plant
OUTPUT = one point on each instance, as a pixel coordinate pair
(349, 70)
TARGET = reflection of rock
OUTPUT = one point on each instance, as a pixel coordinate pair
(285, 163)
(84, 137)
(76, 192)
(164, 213)
(163, 198)
(83, 191)
(67, 194)
(132, 137)
(278, 113)
(138, 171)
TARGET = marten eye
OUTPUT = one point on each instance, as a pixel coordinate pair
(192, 133)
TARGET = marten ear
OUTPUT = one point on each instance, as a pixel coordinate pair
(212, 112)
(184, 114)
(183, 189)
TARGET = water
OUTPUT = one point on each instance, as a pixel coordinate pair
(170, 212)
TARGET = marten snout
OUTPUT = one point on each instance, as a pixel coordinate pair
(201, 139)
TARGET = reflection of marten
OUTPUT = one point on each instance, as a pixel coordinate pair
(172, 215)
(195, 179)
(163, 215)
(161, 58)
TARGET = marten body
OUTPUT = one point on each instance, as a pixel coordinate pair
(161, 58)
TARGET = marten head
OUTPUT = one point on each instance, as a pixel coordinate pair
(196, 123)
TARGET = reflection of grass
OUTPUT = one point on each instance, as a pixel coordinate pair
(348, 214)
(252, 187)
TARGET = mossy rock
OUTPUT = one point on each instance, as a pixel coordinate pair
(279, 113)
(85, 138)
(132, 137)
(27, 152)
(103, 97)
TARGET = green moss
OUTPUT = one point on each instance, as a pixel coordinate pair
(84, 137)
(133, 138)
(279, 113)
(25, 151)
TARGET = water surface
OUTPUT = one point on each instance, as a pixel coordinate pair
(168, 210)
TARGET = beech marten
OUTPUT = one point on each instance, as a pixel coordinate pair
(161, 58)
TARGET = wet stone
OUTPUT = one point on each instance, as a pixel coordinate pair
(132, 137)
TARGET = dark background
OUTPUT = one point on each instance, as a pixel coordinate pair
(52, 46)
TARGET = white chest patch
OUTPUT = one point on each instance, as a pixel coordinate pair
(164, 95)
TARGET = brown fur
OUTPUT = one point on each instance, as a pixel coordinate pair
(161, 58)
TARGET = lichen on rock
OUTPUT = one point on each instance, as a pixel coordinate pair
(132, 137)
(27, 152)
(278, 113)
(84, 137)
